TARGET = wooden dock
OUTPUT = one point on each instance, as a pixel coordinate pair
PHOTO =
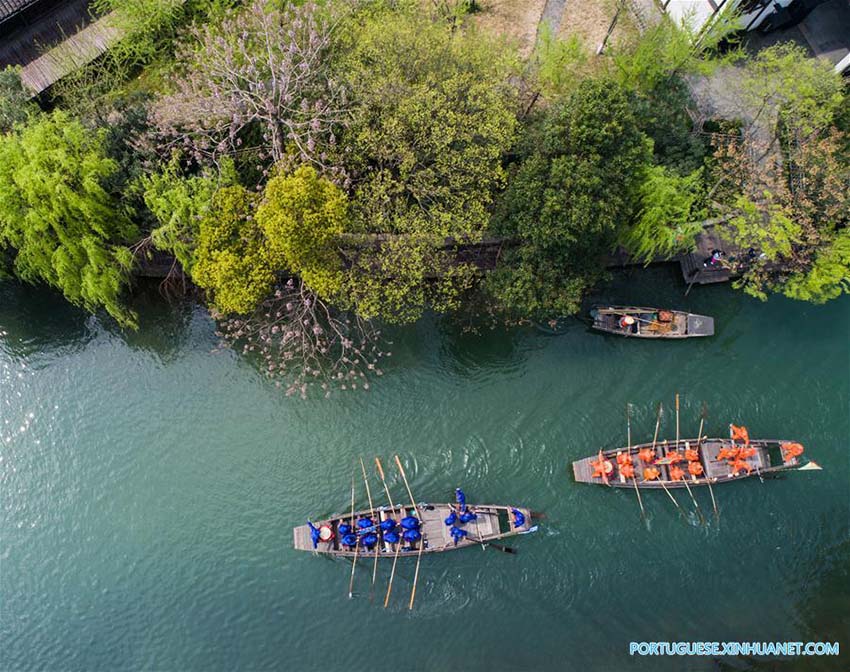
(76, 51)
(694, 268)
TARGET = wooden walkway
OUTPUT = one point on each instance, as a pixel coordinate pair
(78, 50)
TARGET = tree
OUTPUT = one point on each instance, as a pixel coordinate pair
(566, 201)
(259, 69)
(60, 223)
(669, 207)
(432, 117)
(179, 203)
(14, 100)
(233, 260)
(785, 184)
(791, 210)
(301, 215)
(786, 89)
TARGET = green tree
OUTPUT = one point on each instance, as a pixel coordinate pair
(568, 199)
(178, 203)
(669, 206)
(302, 215)
(14, 100)
(57, 219)
(829, 275)
(433, 116)
(233, 260)
(802, 93)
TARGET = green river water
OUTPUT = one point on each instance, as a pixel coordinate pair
(149, 488)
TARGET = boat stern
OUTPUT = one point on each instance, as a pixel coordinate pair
(700, 325)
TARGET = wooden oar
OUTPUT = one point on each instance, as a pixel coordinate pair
(654, 441)
(372, 516)
(684, 479)
(356, 542)
(629, 452)
(397, 546)
(703, 415)
(421, 532)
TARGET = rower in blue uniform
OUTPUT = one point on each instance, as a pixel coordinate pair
(314, 534)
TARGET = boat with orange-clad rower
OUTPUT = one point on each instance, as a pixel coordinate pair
(692, 461)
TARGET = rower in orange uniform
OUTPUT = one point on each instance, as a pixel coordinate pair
(676, 473)
(695, 469)
(602, 468)
(790, 451)
(739, 434)
(647, 455)
(651, 473)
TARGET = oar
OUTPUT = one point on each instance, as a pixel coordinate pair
(629, 439)
(356, 543)
(684, 479)
(377, 543)
(422, 529)
(654, 441)
(498, 547)
(397, 546)
(703, 415)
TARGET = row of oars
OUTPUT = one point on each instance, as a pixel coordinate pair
(377, 545)
(664, 454)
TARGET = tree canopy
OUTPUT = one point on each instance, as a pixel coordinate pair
(568, 198)
(60, 223)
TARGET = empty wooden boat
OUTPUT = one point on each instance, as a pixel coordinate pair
(650, 322)
(692, 461)
(491, 523)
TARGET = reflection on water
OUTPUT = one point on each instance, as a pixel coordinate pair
(39, 321)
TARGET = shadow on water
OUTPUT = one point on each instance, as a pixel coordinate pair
(38, 319)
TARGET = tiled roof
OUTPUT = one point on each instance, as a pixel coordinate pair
(10, 7)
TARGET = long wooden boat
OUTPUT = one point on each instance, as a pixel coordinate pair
(638, 322)
(768, 458)
(493, 522)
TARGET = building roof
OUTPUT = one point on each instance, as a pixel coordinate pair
(8, 8)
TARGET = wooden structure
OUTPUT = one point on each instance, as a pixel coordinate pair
(75, 52)
(767, 459)
(638, 322)
(494, 522)
(28, 28)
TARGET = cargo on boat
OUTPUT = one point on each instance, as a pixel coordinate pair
(650, 322)
(689, 461)
(443, 527)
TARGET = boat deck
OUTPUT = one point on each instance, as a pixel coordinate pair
(493, 523)
(714, 470)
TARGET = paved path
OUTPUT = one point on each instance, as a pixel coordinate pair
(552, 14)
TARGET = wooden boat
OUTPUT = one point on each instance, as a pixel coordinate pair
(650, 322)
(493, 523)
(768, 458)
